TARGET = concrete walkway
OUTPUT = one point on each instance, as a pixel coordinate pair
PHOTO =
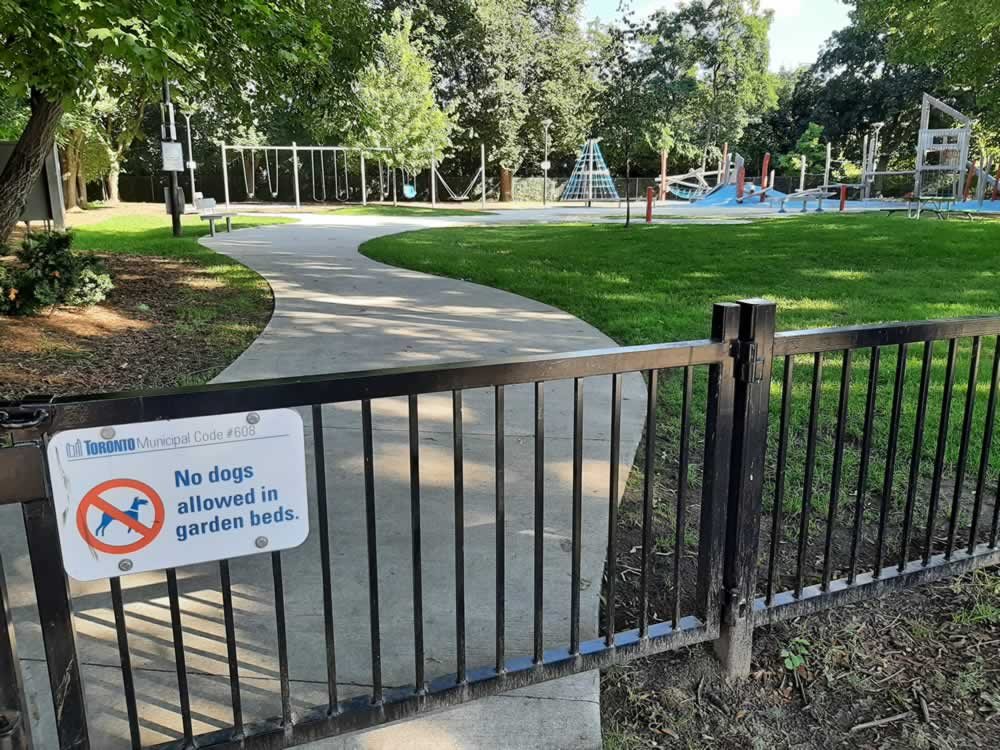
(336, 310)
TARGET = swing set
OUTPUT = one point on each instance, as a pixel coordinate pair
(339, 164)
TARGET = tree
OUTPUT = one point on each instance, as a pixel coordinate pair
(811, 145)
(727, 41)
(958, 37)
(503, 66)
(395, 106)
(51, 49)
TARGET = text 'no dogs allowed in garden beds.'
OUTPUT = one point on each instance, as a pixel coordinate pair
(152, 495)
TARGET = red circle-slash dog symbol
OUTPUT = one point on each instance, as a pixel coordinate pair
(98, 512)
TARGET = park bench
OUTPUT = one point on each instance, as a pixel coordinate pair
(207, 211)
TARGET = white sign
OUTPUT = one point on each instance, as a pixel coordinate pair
(173, 156)
(154, 495)
(546, 165)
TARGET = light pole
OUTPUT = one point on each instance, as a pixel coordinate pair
(546, 123)
(190, 162)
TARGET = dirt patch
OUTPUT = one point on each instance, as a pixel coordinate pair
(917, 670)
(155, 330)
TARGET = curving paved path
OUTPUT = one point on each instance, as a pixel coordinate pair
(336, 310)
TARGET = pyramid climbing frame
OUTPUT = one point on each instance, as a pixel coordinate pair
(591, 180)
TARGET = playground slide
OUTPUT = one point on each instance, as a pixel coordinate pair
(726, 196)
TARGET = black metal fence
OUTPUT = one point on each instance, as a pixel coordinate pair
(749, 475)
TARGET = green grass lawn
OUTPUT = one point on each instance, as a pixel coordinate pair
(244, 292)
(402, 210)
(655, 283)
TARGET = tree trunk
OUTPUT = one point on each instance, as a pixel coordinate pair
(68, 183)
(506, 185)
(27, 159)
(663, 175)
(81, 187)
(114, 195)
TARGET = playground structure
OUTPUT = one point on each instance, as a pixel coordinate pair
(591, 180)
(334, 161)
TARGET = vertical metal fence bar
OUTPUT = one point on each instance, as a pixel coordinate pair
(178, 638)
(680, 519)
(539, 650)
(866, 454)
(777, 511)
(613, 466)
(55, 617)
(323, 513)
(716, 482)
(942, 448)
(984, 457)
(647, 501)
(963, 450)
(128, 681)
(838, 466)
(282, 635)
(228, 615)
(501, 525)
(577, 522)
(995, 529)
(459, 458)
(917, 453)
(12, 694)
(810, 471)
(371, 537)
(890, 457)
(415, 547)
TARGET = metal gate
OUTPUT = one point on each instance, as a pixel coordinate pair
(727, 379)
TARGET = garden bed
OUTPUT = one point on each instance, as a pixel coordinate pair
(178, 315)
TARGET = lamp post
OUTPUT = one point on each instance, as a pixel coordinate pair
(546, 123)
(190, 162)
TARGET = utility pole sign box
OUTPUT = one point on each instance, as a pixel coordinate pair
(154, 495)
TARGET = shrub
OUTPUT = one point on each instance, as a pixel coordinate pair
(49, 273)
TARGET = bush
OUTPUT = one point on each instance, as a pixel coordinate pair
(49, 273)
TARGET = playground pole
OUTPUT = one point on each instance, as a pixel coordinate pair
(802, 175)
(433, 180)
(295, 173)
(996, 187)
(482, 174)
(724, 177)
(394, 202)
(225, 176)
(649, 205)
(843, 197)
(968, 181)
(829, 160)
(364, 185)
(864, 169)
(763, 177)
(740, 180)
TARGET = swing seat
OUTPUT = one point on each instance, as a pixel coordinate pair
(409, 191)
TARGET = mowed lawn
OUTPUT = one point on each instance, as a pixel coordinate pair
(650, 284)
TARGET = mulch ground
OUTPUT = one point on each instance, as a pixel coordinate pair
(919, 669)
(142, 336)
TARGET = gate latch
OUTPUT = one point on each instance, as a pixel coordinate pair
(750, 364)
(734, 607)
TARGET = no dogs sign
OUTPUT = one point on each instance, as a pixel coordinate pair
(154, 495)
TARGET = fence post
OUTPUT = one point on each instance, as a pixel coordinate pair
(754, 351)
(715, 487)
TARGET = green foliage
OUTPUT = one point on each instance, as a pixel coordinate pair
(795, 654)
(395, 106)
(810, 144)
(958, 37)
(50, 273)
(502, 67)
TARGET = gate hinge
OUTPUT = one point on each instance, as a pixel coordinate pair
(749, 365)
